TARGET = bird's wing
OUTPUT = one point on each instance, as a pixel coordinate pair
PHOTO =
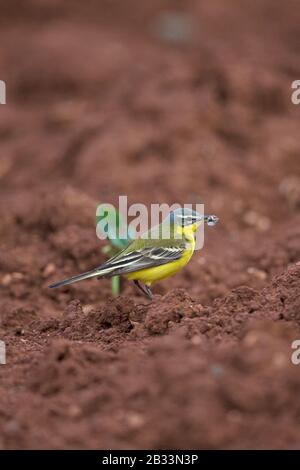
(139, 255)
(142, 258)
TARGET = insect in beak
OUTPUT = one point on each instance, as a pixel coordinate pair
(211, 220)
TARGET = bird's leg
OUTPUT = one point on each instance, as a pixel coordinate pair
(145, 289)
(148, 292)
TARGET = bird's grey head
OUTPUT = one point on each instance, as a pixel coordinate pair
(186, 216)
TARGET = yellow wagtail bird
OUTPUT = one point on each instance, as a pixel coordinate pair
(158, 254)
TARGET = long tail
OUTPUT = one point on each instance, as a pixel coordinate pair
(80, 277)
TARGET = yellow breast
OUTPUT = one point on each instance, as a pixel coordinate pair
(157, 273)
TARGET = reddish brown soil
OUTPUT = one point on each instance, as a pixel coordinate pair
(99, 105)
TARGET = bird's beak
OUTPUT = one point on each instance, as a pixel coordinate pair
(198, 219)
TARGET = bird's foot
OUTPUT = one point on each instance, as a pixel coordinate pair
(145, 289)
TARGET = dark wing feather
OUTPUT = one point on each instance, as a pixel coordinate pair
(140, 259)
(129, 261)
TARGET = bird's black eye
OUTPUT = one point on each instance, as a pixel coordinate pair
(186, 220)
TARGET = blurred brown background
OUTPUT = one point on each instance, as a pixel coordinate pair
(163, 101)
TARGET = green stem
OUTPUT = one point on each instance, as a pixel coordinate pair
(115, 286)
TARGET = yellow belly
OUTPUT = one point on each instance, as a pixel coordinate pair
(157, 273)
(150, 275)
